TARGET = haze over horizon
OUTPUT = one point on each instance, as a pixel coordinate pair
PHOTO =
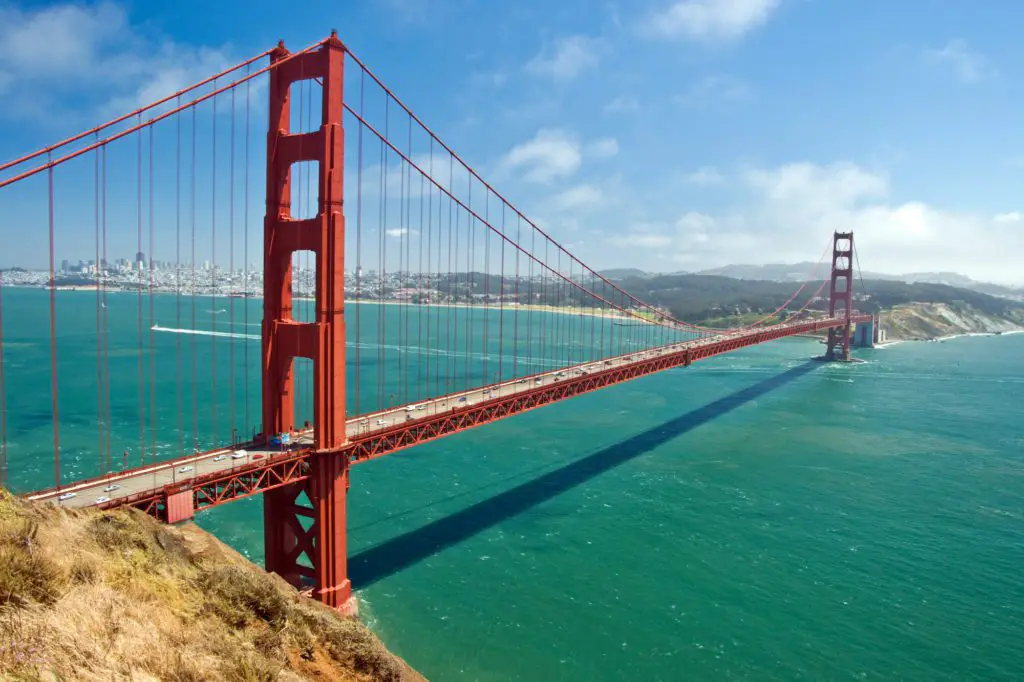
(670, 135)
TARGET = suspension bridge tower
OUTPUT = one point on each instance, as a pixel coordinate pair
(841, 296)
(304, 522)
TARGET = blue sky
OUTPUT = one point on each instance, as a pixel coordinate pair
(660, 134)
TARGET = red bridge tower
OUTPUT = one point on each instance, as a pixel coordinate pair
(841, 296)
(305, 542)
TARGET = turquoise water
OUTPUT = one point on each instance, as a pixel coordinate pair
(755, 516)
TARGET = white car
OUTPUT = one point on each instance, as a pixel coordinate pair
(111, 488)
(239, 454)
(65, 496)
(101, 500)
(381, 422)
(184, 470)
(220, 458)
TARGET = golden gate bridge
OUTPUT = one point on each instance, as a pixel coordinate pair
(479, 314)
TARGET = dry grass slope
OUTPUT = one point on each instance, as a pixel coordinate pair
(88, 595)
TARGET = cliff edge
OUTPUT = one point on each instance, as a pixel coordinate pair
(87, 595)
(920, 321)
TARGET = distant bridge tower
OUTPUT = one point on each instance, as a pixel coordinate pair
(841, 296)
(304, 523)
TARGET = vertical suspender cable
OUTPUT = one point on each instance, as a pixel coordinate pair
(382, 223)
(408, 266)
(231, 270)
(192, 283)
(359, 242)
(177, 279)
(245, 233)
(53, 339)
(515, 320)
(152, 316)
(99, 338)
(470, 222)
(138, 297)
(213, 275)
(501, 305)
(101, 269)
(487, 289)
(420, 286)
(449, 347)
(453, 314)
(529, 311)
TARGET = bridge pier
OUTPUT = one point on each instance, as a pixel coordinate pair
(865, 334)
(305, 539)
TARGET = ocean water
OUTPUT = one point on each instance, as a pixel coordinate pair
(754, 517)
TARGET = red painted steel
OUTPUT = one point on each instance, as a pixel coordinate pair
(323, 341)
(842, 272)
(179, 506)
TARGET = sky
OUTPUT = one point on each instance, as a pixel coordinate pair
(666, 135)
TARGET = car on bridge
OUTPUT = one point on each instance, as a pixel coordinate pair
(65, 496)
(111, 488)
(103, 499)
(239, 454)
(185, 469)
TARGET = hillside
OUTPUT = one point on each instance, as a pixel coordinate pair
(701, 298)
(919, 321)
(796, 272)
(88, 595)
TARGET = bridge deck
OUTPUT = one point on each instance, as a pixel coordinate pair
(220, 475)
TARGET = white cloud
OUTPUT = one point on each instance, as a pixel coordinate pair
(969, 67)
(1012, 217)
(567, 58)
(580, 197)
(623, 104)
(715, 90)
(709, 20)
(93, 56)
(641, 239)
(551, 154)
(787, 213)
(604, 148)
(705, 176)
(403, 180)
(396, 232)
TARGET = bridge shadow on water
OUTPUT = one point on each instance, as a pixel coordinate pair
(403, 551)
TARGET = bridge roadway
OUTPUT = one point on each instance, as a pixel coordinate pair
(108, 490)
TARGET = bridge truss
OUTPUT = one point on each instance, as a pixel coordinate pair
(475, 312)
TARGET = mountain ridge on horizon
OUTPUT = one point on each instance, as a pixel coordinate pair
(798, 272)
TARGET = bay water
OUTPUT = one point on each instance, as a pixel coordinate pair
(757, 516)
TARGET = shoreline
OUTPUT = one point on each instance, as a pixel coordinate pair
(950, 337)
(529, 307)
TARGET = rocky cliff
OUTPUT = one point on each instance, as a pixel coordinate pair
(918, 321)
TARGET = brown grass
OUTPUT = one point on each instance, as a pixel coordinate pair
(88, 595)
